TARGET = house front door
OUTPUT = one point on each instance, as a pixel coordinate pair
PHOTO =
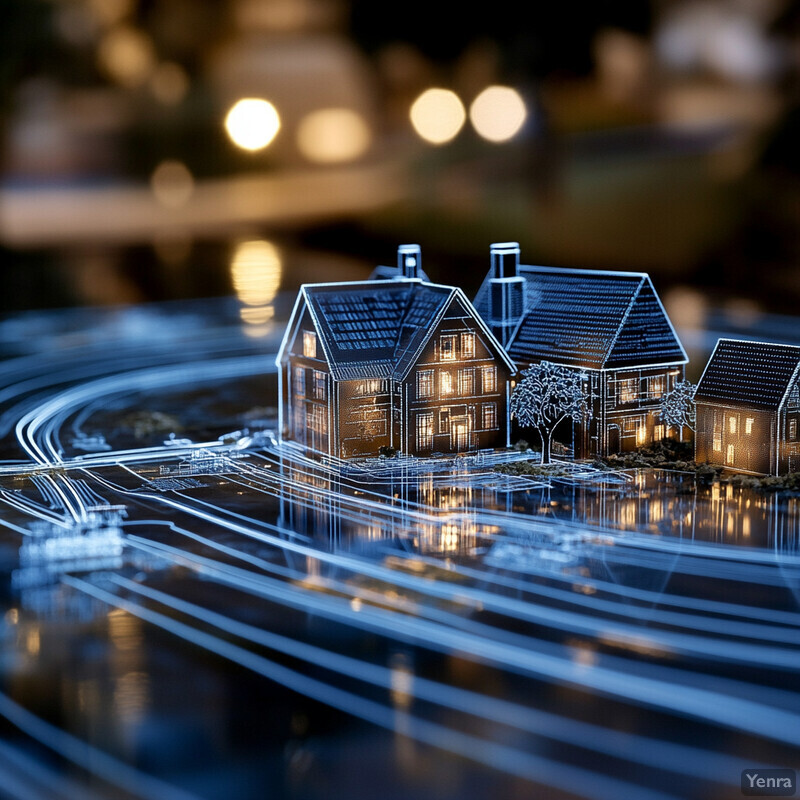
(459, 433)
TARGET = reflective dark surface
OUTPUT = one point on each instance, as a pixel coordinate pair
(236, 619)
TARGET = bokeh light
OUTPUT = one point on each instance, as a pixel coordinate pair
(333, 135)
(256, 275)
(172, 184)
(438, 115)
(498, 113)
(127, 55)
(252, 123)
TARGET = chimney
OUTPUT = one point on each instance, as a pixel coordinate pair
(505, 259)
(506, 291)
(408, 260)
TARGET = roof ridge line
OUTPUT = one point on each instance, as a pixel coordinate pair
(426, 338)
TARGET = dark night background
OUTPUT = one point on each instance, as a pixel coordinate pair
(660, 136)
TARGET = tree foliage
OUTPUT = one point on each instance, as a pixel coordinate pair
(546, 395)
(677, 406)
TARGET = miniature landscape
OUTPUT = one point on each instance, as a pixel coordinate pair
(195, 603)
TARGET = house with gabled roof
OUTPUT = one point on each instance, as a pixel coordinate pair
(402, 363)
(609, 325)
(748, 407)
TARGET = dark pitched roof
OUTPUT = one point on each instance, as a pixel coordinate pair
(748, 374)
(382, 273)
(590, 318)
(376, 330)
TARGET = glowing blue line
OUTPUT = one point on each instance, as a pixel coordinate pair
(496, 756)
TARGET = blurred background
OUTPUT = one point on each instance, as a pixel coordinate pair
(176, 149)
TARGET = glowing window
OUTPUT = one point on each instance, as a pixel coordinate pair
(732, 424)
(466, 382)
(467, 345)
(730, 454)
(425, 383)
(445, 383)
(717, 443)
(656, 386)
(628, 390)
(309, 344)
(489, 380)
(793, 429)
(370, 387)
(489, 416)
(748, 425)
(425, 431)
(447, 348)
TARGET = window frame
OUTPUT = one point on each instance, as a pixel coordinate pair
(447, 353)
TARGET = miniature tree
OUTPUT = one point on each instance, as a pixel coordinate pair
(546, 395)
(678, 408)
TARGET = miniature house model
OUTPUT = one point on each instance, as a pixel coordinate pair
(400, 363)
(610, 325)
(748, 407)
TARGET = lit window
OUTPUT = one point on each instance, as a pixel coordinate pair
(489, 380)
(446, 383)
(466, 382)
(656, 386)
(447, 348)
(629, 390)
(489, 416)
(748, 425)
(717, 443)
(425, 431)
(730, 454)
(732, 424)
(444, 420)
(370, 387)
(793, 429)
(309, 344)
(425, 383)
(467, 345)
(299, 381)
(319, 385)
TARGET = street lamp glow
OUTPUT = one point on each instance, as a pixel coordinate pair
(252, 123)
(437, 115)
(498, 113)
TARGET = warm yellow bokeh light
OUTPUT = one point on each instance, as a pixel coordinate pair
(333, 135)
(498, 113)
(437, 115)
(256, 274)
(172, 184)
(252, 123)
(127, 55)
